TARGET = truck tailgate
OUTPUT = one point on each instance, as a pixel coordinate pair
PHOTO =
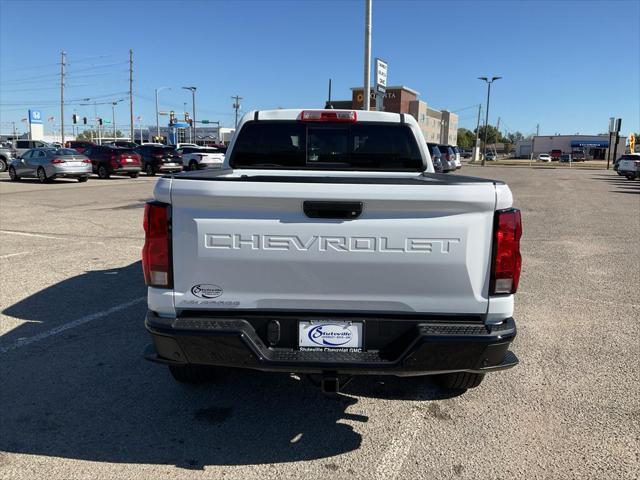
(416, 247)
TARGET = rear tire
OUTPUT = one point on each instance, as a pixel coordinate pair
(13, 175)
(3, 165)
(133, 175)
(192, 374)
(460, 380)
(103, 173)
(149, 170)
(42, 175)
(83, 179)
(193, 165)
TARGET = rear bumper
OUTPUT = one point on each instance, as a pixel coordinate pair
(428, 347)
(127, 170)
(170, 168)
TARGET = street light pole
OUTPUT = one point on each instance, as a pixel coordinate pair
(193, 107)
(157, 114)
(486, 122)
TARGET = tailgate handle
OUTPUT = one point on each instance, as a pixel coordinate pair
(337, 210)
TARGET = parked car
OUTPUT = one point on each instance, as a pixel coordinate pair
(577, 156)
(182, 145)
(123, 143)
(491, 156)
(24, 145)
(448, 158)
(458, 160)
(544, 157)
(629, 166)
(78, 145)
(566, 158)
(414, 274)
(436, 157)
(555, 154)
(197, 158)
(110, 160)
(466, 153)
(156, 158)
(45, 164)
(7, 154)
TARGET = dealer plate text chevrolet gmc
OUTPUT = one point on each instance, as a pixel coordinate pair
(327, 245)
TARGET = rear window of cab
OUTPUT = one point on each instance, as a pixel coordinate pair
(326, 146)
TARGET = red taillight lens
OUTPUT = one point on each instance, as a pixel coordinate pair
(328, 116)
(156, 253)
(57, 160)
(86, 160)
(114, 161)
(505, 272)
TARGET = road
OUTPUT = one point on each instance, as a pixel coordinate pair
(77, 401)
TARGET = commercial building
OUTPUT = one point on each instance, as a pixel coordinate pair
(594, 147)
(438, 126)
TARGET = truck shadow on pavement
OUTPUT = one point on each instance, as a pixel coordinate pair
(87, 393)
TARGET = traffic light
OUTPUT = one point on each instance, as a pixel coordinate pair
(172, 117)
(100, 121)
(84, 120)
(188, 119)
(74, 118)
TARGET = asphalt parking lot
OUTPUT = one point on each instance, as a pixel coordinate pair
(78, 401)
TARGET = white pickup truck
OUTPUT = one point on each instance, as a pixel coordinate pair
(326, 245)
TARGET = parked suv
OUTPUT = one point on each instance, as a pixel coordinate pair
(436, 157)
(109, 160)
(448, 156)
(7, 154)
(197, 158)
(79, 145)
(24, 145)
(156, 159)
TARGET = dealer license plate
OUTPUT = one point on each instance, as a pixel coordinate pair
(330, 335)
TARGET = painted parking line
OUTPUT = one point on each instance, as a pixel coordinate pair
(27, 234)
(68, 326)
(9, 255)
(390, 464)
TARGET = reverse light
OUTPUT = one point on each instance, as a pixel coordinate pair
(329, 116)
(156, 253)
(507, 261)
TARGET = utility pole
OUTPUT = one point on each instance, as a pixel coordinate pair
(537, 130)
(158, 114)
(14, 133)
(132, 136)
(367, 56)
(62, 63)
(476, 147)
(495, 151)
(113, 119)
(329, 99)
(236, 105)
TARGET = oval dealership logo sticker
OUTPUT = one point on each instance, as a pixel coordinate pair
(329, 335)
(206, 290)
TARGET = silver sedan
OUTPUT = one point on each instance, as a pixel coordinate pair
(45, 164)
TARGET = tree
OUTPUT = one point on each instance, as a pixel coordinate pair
(93, 134)
(493, 135)
(466, 138)
(513, 137)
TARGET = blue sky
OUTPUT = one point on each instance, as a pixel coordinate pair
(568, 65)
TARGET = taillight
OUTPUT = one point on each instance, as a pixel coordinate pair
(328, 116)
(57, 160)
(114, 161)
(156, 253)
(86, 160)
(505, 271)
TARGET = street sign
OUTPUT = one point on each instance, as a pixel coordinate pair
(381, 75)
(204, 121)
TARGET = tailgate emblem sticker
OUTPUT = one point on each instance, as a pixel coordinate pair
(330, 335)
(206, 290)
